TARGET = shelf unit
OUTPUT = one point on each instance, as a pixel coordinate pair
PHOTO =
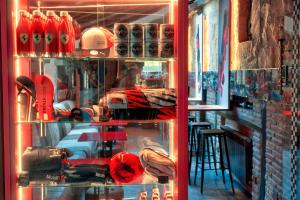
(17, 133)
(142, 59)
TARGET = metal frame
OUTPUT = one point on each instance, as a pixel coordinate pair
(181, 83)
(294, 128)
(1, 134)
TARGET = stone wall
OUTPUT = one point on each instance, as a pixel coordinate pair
(262, 50)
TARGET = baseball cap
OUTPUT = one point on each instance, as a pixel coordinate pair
(95, 39)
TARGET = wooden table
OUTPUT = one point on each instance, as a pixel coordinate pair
(205, 108)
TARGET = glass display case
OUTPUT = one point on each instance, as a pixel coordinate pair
(95, 105)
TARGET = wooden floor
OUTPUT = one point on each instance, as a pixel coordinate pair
(214, 189)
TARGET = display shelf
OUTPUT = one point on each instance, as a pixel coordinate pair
(87, 79)
(94, 123)
(137, 59)
(88, 184)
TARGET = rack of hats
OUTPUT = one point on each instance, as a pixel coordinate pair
(94, 104)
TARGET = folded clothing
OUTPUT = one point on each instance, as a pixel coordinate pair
(155, 159)
(125, 167)
(146, 142)
(157, 164)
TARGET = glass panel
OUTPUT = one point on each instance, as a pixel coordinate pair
(88, 144)
(101, 89)
(196, 57)
(209, 55)
(95, 99)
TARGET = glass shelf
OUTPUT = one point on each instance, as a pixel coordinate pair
(95, 123)
(137, 59)
(88, 184)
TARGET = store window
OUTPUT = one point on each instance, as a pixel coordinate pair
(196, 58)
(209, 46)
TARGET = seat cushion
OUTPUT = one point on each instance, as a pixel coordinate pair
(78, 154)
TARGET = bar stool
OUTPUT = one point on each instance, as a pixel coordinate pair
(204, 137)
(192, 118)
(193, 128)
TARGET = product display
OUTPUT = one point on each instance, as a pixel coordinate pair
(136, 32)
(168, 196)
(151, 49)
(166, 49)
(143, 40)
(26, 84)
(157, 164)
(143, 196)
(136, 49)
(151, 32)
(83, 96)
(64, 108)
(121, 32)
(97, 40)
(121, 49)
(155, 195)
(167, 32)
(23, 34)
(166, 40)
(44, 159)
(65, 34)
(155, 160)
(38, 33)
(44, 97)
(27, 96)
(121, 40)
(46, 35)
(140, 103)
(51, 34)
(125, 167)
(87, 172)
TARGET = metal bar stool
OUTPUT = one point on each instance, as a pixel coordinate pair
(193, 128)
(204, 137)
(209, 143)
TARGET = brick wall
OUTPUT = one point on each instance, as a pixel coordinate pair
(278, 139)
(256, 164)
